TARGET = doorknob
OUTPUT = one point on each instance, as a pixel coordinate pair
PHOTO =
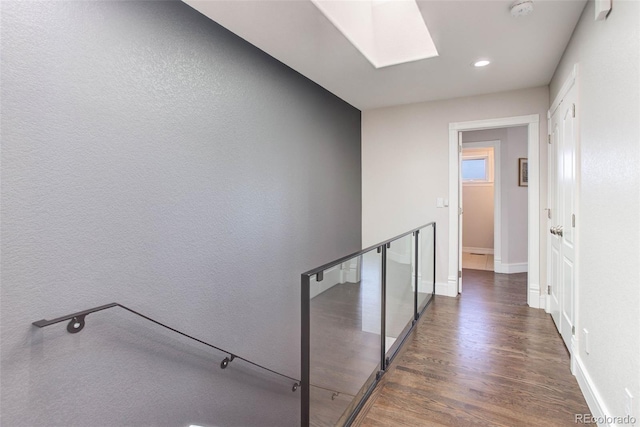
(559, 231)
(553, 230)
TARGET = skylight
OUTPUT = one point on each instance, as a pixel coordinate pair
(386, 32)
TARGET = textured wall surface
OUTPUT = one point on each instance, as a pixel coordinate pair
(152, 158)
(608, 221)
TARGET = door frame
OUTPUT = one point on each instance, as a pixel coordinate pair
(497, 196)
(535, 298)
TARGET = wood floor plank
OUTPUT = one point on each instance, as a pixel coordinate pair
(482, 359)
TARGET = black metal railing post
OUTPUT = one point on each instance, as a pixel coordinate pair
(416, 237)
(305, 339)
(383, 308)
(433, 295)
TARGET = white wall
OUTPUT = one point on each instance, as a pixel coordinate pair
(608, 291)
(405, 162)
(514, 212)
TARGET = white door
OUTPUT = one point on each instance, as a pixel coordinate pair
(553, 247)
(562, 198)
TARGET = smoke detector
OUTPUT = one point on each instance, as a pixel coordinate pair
(521, 8)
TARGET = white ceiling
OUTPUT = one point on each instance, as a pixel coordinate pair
(524, 51)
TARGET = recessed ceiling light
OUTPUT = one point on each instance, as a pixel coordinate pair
(481, 63)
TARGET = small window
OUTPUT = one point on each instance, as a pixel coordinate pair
(475, 169)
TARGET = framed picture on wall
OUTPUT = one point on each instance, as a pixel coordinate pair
(523, 172)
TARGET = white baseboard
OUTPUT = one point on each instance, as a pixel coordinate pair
(483, 251)
(591, 395)
(534, 296)
(542, 298)
(518, 267)
(425, 286)
(449, 289)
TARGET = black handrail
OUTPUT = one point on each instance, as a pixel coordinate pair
(362, 252)
(77, 323)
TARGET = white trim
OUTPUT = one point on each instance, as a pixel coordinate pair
(449, 289)
(517, 267)
(477, 183)
(454, 262)
(479, 144)
(482, 251)
(590, 392)
(532, 122)
(563, 91)
(504, 122)
(534, 298)
(542, 300)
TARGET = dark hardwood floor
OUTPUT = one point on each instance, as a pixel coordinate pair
(482, 359)
(343, 355)
(345, 342)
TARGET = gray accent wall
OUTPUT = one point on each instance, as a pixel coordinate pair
(152, 158)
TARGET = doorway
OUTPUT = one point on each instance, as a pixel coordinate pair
(480, 174)
(535, 298)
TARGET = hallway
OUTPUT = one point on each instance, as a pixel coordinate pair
(482, 359)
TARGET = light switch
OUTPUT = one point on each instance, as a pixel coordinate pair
(439, 202)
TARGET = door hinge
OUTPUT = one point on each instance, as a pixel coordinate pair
(549, 213)
(460, 274)
(460, 211)
(573, 110)
(549, 139)
(573, 220)
(549, 290)
(459, 148)
(573, 330)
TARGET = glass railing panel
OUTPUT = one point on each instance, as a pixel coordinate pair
(328, 406)
(426, 266)
(345, 310)
(400, 290)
